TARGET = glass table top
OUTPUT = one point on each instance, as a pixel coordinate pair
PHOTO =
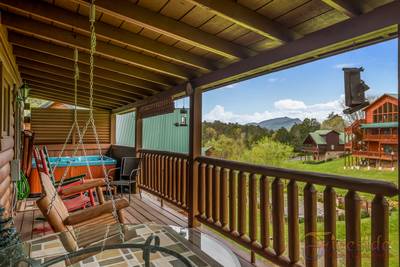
(100, 245)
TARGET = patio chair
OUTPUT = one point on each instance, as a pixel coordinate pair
(130, 168)
(81, 228)
(72, 202)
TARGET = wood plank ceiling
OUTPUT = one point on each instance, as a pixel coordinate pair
(146, 48)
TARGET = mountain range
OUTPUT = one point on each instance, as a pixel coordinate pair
(277, 123)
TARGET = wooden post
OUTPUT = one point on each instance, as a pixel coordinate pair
(113, 130)
(138, 144)
(194, 151)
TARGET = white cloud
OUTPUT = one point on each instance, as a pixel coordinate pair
(233, 85)
(344, 65)
(289, 104)
(285, 107)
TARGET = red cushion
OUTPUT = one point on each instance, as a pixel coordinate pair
(76, 203)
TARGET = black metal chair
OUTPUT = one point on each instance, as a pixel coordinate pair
(130, 168)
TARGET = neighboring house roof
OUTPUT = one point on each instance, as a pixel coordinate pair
(380, 125)
(319, 136)
(373, 102)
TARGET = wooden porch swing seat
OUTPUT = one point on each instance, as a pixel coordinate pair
(68, 224)
(72, 202)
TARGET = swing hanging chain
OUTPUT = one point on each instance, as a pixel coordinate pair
(90, 121)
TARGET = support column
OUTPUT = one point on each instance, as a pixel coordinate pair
(194, 151)
(113, 130)
(138, 142)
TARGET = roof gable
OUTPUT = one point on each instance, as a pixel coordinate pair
(379, 99)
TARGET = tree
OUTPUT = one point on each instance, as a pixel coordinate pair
(334, 122)
(282, 135)
(226, 147)
(268, 152)
(300, 131)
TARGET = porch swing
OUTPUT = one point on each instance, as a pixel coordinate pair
(89, 231)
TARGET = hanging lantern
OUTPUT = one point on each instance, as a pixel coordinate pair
(24, 91)
(183, 116)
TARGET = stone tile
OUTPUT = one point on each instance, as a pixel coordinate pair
(197, 261)
(110, 262)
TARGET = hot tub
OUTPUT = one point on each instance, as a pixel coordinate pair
(77, 167)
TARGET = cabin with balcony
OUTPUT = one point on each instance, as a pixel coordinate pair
(374, 140)
(121, 56)
(324, 144)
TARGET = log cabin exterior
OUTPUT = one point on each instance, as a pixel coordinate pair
(374, 140)
(151, 52)
(324, 144)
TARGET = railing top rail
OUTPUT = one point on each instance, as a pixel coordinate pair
(165, 153)
(337, 181)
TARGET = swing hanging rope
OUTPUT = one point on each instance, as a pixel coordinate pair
(89, 122)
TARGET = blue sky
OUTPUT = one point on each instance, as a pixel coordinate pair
(310, 90)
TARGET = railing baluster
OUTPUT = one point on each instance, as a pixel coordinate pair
(264, 211)
(183, 183)
(216, 197)
(232, 203)
(310, 225)
(152, 171)
(278, 219)
(242, 206)
(293, 221)
(330, 253)
(171, 176)
(380, 232)
(162, 175)
(202, 191)
(178, 181)
(253, 210)
(158, 174)
(174, 176)
(353, 236)
(224, 197)
(209, 193)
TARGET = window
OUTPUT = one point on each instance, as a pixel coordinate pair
(385, 113)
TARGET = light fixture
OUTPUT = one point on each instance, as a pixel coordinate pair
(183, 113)
(24, 89)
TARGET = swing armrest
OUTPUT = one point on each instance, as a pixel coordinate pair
(86, 185)
(94, 212)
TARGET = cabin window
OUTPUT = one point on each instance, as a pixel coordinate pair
(385, 113)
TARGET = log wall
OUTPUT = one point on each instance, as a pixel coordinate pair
(10, 80)
(51, 126)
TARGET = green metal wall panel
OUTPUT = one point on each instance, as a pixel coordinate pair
(159, 133)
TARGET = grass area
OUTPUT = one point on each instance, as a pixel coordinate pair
(336, 167)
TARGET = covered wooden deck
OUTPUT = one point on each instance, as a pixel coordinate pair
(143, 209)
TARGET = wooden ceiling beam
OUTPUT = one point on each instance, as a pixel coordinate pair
(38, 93)
(100, 62)
(81, 92)
(344, 6)
(83, 78)
(124, 37)
(248, 19)
(83, 95)
(35, 56)
(54, 79)
(125, 10)
(72, 39)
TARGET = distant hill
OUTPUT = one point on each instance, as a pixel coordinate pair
(277, 123)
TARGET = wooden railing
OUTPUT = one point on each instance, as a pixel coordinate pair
(376, 154)
(241, 200)
(252, 204)
(165, 174)
(388, 137)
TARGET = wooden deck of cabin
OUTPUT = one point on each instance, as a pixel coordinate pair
(141, 210)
